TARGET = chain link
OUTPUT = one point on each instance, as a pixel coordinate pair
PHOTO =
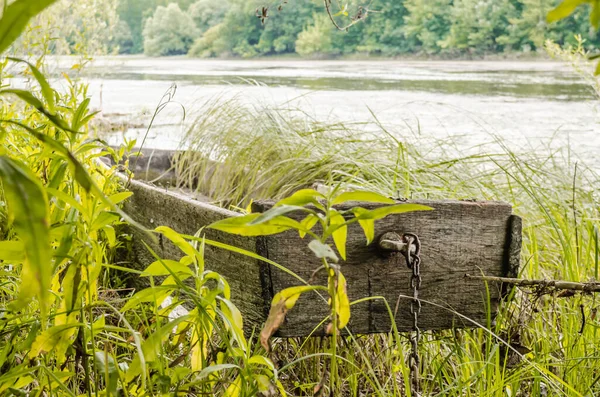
(412, 254)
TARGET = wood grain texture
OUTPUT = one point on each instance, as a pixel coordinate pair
(154, 207)
(457, 238)
(513, 251)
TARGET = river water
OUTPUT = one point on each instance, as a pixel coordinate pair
(527, 104)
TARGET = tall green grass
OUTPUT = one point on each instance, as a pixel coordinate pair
(537, 345)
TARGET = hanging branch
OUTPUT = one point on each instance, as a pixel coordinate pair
(360, 15)
(543, 284)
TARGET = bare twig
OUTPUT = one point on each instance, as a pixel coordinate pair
(555, 284)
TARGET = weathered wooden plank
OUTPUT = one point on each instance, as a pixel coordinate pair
(457, 238)
(154, 207)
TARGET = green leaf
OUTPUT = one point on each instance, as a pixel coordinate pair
(68, 199)
(382, 212)
(362, 196)
(76, 122)
(307, 224)
(120, 197)
(235, 322)
(151, 347)
(595, 14)
(322, 250)
(302, 197)
(15, 18)
(368, 227)
(215, 368)
(341, 232)
(111, 235)
(180, 242)
(564, 9)
(103, 219)
(157, 268)
(274, 213)
(47, 91)
(12, 251)
(342, 302)
(36, 103)
(47, 340)
(241, 225)
(106, 365)
(155, 295)
(28, 207)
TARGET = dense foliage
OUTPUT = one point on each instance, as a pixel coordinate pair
(392, 27)
(68, 328)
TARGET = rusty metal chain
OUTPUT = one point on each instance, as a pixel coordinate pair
(409, 246)
(412, 254)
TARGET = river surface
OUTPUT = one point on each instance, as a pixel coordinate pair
(527, 104)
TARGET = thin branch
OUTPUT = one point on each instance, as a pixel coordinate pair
(556, 284)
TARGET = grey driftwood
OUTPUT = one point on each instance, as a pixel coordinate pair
(458, 238)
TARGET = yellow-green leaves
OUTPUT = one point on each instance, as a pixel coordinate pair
(249, 225)
(382, 212)
(303, 197)
(151, 349)
(281, 304)
(15, 19)
(366, 218)
(340, 232)
(359, 195)
(28, 208)
(307, 224)
(47, 91)
(166, 267)
(46, 341)
(342, 303)
(567, 7)
(12, 251)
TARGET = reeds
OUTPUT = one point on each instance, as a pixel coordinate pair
(538, 344)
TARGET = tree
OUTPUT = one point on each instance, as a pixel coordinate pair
(280, 33)
(122, 40)
(477, 23)
(212, 43)
(383, 31)
(427, 23)
(72, 28)
(316, 39)
(237, 35)
(134, 12)
(169, 31)
(208, 13)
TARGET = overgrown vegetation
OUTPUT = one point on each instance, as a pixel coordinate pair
(540, 344)
(68, 327)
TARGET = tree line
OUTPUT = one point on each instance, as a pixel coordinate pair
(208, 28)
(217, 28)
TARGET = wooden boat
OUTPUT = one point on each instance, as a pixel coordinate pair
(457, 238)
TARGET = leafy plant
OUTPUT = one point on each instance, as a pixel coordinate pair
(568, 7)
(317, 208)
